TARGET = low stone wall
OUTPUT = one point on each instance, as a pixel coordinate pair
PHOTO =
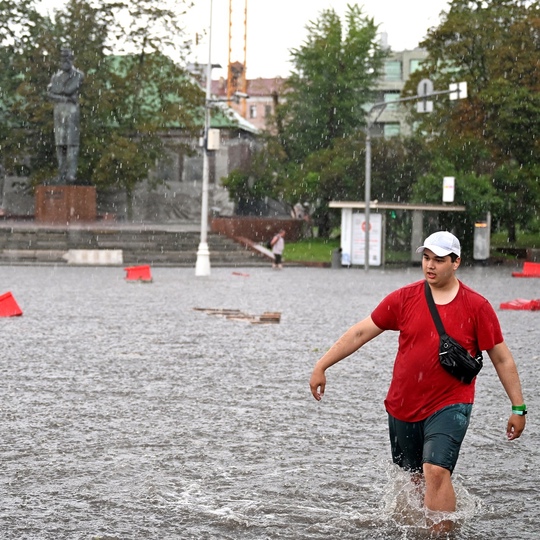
(257, 229)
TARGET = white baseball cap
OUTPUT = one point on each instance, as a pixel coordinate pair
(442, 243)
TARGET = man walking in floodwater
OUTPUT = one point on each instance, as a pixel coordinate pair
(428, 408)
(63, 90)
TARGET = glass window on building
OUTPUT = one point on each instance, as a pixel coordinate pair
(392, 129)
(267, 110)
(392, 70)
(390, 97)
(415, 65)
(253, 111)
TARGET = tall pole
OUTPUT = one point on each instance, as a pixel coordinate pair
(230, 90)
(202, 267)
(244, 74)
(425, 91)
(367, 195)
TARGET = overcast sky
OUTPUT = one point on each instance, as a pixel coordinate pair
(276, 26)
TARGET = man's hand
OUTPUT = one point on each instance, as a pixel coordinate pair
(317, 383)
(515, 427)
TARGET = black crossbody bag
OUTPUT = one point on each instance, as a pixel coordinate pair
(453, 357)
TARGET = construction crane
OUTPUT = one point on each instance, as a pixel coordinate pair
(236, 71)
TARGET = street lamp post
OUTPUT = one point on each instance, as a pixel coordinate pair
(425, 91)
(202, 267)
(367, 195)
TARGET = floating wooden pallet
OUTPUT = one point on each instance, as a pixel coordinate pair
(268, 317)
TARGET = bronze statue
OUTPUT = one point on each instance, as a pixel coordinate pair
(63, 90)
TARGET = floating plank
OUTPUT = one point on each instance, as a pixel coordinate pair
(218, 311)
(268, 317)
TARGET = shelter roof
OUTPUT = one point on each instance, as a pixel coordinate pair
(376, 205)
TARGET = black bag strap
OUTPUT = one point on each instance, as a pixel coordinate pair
(433, 309)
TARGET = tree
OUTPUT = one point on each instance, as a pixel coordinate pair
(334, 73)
(476, 192)
(315, 155)
(140, 98)
(493, 45)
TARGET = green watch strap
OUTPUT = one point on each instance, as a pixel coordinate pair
(519, 409)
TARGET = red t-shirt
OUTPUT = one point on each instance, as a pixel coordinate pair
(420, 386)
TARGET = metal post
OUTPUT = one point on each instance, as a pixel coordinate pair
(367, 195)
(425, 91)
(202, 267)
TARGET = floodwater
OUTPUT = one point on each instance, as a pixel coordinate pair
(127, 414)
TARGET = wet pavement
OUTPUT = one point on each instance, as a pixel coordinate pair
(126, 413)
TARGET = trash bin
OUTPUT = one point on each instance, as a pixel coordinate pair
(336, 258)
(481, 246)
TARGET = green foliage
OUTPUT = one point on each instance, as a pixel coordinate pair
(396, 165)
(493, 45)
(334, 72)
(316, 153)
(476, 192)
(248, 188)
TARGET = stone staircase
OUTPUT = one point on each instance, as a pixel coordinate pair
(26, 244)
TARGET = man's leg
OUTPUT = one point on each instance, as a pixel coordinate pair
(444, 433)
(406, 443)
(440, 495)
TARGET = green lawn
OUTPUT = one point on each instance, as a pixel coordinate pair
(312, 250)
(524, 240)
(320, 249)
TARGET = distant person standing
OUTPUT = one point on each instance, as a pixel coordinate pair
(63, 90)
(278, 245)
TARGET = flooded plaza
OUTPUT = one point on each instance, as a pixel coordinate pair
(128, 414)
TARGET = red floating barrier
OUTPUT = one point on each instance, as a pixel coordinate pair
(9, 306)
(138, 273)
(530, 269)
(522, 305)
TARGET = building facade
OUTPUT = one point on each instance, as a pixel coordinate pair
(398, 67)
(259, 108)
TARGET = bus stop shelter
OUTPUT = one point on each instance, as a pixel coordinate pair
(353, 228)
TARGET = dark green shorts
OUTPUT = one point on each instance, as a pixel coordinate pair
(435, 440)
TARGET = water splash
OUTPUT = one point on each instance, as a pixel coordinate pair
(402, 504)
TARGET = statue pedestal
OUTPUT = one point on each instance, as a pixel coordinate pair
(65, 204)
